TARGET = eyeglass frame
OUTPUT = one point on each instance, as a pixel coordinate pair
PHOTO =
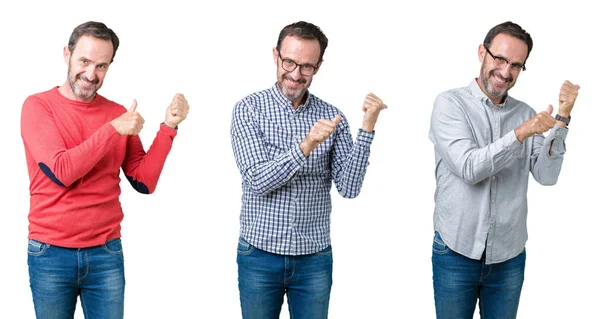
(513, 65)
(296, 65)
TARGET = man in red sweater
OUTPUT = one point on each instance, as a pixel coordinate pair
(76, 141)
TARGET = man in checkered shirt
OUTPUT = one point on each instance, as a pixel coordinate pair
(289, 145)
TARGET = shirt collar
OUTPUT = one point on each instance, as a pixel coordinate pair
(480, 95)
(287, 104)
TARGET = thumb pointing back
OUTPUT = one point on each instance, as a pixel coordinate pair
(133, 106)
(550, 109)
(337, 119)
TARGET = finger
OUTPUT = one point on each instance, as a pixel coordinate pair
(133, 106)
(550, 109)
(323, 123)
(336, 120)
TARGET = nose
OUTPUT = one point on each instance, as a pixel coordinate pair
(296, 75)
(90, 73)
(505, 70)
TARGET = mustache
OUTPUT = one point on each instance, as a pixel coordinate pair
(508, 79)
(302, 81)
(83, 77)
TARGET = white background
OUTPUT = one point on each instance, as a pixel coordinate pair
(180, 242)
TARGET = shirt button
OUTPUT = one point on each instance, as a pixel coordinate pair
(492, 201)
(493, 178)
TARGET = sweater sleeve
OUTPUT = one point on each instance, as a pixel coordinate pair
(43, 139)
(143, 169)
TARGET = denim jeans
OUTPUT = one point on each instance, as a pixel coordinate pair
(58, 275)
(459, 281)
(264, 278)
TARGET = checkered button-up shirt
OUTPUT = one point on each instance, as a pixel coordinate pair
(286, 201)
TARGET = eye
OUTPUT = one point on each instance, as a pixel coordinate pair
(102, 66)
(308, 68)
(289, 62)
(517, 66)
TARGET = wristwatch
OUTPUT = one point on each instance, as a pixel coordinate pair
(566, 120)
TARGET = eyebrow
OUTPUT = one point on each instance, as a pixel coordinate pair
(509, 62)
(313, 65)
(84, 59)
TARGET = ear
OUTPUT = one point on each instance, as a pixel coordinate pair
(275, 55)
(318, 67)
(481, 53)
(66, 54)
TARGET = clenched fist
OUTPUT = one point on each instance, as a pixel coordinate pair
(319, 133)
(130, 123)
(177, 111)
(566, 98)
(538, 124)
(372, 106)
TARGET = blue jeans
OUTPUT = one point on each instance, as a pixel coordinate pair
(58, 275)
(458, 281)
(264, 278)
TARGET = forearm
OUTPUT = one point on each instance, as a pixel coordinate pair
(548, 154)
(349, 168)
(473, 164)
(143, 169)
(66, 166)
(267, 176)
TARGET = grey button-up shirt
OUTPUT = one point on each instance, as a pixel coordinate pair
(482, 171)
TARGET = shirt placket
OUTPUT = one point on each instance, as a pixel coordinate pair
(294, 189)
(496, 131)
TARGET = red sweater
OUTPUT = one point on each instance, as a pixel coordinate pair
(73, 157)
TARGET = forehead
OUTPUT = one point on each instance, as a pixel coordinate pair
(509, 47)
(93, 49)
(300, 50)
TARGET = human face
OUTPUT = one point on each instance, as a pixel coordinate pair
(293, 85)
(497, 80)
(88, 64)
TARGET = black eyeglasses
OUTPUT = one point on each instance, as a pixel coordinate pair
(290, 65)
(502, 62)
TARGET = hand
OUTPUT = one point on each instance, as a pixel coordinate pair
(540, 123)
(566, 98)
(177, 111)
(319, 133)
(372, 106)
(130, 123)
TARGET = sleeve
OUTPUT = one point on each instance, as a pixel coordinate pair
(43, 139)
(545, 168)
(142, 169)
(452, 135)
(260, 173)
(350, 160)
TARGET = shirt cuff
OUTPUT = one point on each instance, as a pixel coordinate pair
(297, 155)
(364, 138)
(556, 137)
(512, 143)
(166, 129)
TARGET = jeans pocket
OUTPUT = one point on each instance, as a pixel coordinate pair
(36, 248)
(113, 246)
(244, 248)
(439, 247)
(325, 252)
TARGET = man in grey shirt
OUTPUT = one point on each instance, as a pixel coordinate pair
(486, 143)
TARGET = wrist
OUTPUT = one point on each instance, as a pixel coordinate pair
(306, 148)
(368, 127)
(562, 120)
(564, 113)
(170, 125)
